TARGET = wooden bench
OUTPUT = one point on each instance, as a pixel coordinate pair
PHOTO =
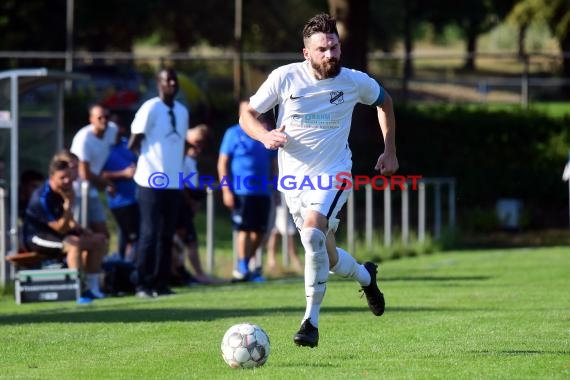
(26, 259)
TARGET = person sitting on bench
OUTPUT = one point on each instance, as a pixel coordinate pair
(50, 229)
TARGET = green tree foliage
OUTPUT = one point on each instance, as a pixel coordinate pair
(268, 25)
(32, 25)
(384, 26)
(474, 17)
(107, 25)
(182, 24)
(522, 15)
(276, 25)
(352, 22)
(556, 13)
(492, 153)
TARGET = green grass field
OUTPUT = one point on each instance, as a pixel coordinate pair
(497, 314)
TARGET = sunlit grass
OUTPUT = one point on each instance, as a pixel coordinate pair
(498, 314)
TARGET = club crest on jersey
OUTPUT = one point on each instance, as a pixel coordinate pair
(337, 97)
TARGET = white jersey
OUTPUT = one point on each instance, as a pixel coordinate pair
(317, 116)
(162, 148)
(92, 149)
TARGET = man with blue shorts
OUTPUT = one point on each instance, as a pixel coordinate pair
(245, 170)
(120, 169)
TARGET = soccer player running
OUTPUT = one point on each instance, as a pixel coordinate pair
(316, 99)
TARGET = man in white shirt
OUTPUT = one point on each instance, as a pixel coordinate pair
(316, 99)
(92, 144)
(158, 132)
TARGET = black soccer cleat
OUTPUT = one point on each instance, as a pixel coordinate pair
(373, 294)
(308, 335)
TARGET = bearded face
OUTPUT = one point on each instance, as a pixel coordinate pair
(328, 68)
(323, 53)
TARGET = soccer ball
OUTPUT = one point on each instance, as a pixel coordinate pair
(245, 345)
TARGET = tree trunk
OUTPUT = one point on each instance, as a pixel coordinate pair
(408, 48)
(352, 24)
(352, 17)
(521, 40)
(565, 47)
(471, 35)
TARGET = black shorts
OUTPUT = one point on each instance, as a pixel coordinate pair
(45, 243)
(128, 220)
(186, 224)
(251, 212)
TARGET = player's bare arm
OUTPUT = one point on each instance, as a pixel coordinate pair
(387, 163)
(100, 182)
(223, 175)
(126, 173)
(135, 142)
(272, 139)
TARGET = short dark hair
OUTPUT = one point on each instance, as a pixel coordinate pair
(96, 105)
(57, 165)
(167, 70)
(321, 23)
(65, 155)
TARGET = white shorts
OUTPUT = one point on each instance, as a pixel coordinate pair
(95, 209)
(326, 202)
(283, 221)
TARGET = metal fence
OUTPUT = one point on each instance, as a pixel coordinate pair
(439, 187)
(440, 74)
(3, 233)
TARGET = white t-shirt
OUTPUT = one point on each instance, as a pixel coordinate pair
(92, 149)
(317, 116)
(162, 148)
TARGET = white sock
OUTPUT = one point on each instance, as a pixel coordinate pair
(316, 271)
(347, 266)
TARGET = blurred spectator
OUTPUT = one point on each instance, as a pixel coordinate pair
(120, 170)
(283, 227)
(50, 229)
(158, 132)
(249, 200)
(2, 173)
(186, 236)
(92, 144)
(72, 160)
(30, 180)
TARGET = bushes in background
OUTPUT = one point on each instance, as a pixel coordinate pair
(492, 154)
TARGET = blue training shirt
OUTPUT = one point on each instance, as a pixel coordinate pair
(250, 163)
(120, 157)
(45, 206)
